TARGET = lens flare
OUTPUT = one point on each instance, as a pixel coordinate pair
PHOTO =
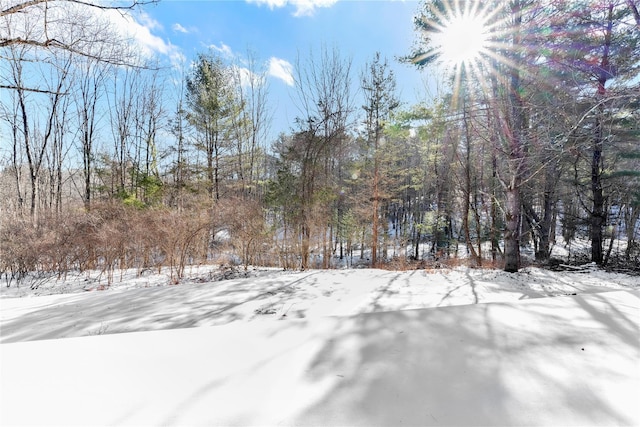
(462, 39)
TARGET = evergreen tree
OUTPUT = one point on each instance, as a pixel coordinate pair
(378, 84)
(211, 100)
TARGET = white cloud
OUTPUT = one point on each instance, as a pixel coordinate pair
(140, 28)
(281, 69)
(223, 49)
(303, 7)
(271, 3)
(179, 28)
(247, 77)
(148, 22)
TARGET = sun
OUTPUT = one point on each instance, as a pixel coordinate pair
(457, 34)
(463, 39)
(460, 36)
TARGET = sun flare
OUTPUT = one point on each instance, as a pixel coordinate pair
(463, 39)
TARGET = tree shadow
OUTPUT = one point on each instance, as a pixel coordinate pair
(489, 364)
(549, 361)
(157, 308)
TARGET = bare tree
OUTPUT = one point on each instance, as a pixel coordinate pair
(76, 26)
(90, 87)
(11, 114)
(251, 125)
(57, 154)
(178, 126)
(35, 135)
(150, 117)
(122, 99)
(323, 94)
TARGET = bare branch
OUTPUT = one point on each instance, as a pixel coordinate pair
(53, 43)
(85, 38)
(49, 92)
(22, 6)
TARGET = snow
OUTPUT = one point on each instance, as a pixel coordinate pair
(339, 347)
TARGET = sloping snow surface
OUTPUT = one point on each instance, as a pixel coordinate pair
(349, 347)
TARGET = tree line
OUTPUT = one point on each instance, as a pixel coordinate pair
(110, 161)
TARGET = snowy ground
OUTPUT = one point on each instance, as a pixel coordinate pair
(339, 347)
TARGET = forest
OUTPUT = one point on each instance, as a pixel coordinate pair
(109, 160)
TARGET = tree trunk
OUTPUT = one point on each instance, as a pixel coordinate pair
(512, 230)
(375, 225)
(598, 214)
(597, 211)
(514, 129)
(304, 250)
(544, 249)
(476, 214)
(467, 188)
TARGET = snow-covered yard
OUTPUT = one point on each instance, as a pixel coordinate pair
(339, 347)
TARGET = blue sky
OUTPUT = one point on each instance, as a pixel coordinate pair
(278, 30)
